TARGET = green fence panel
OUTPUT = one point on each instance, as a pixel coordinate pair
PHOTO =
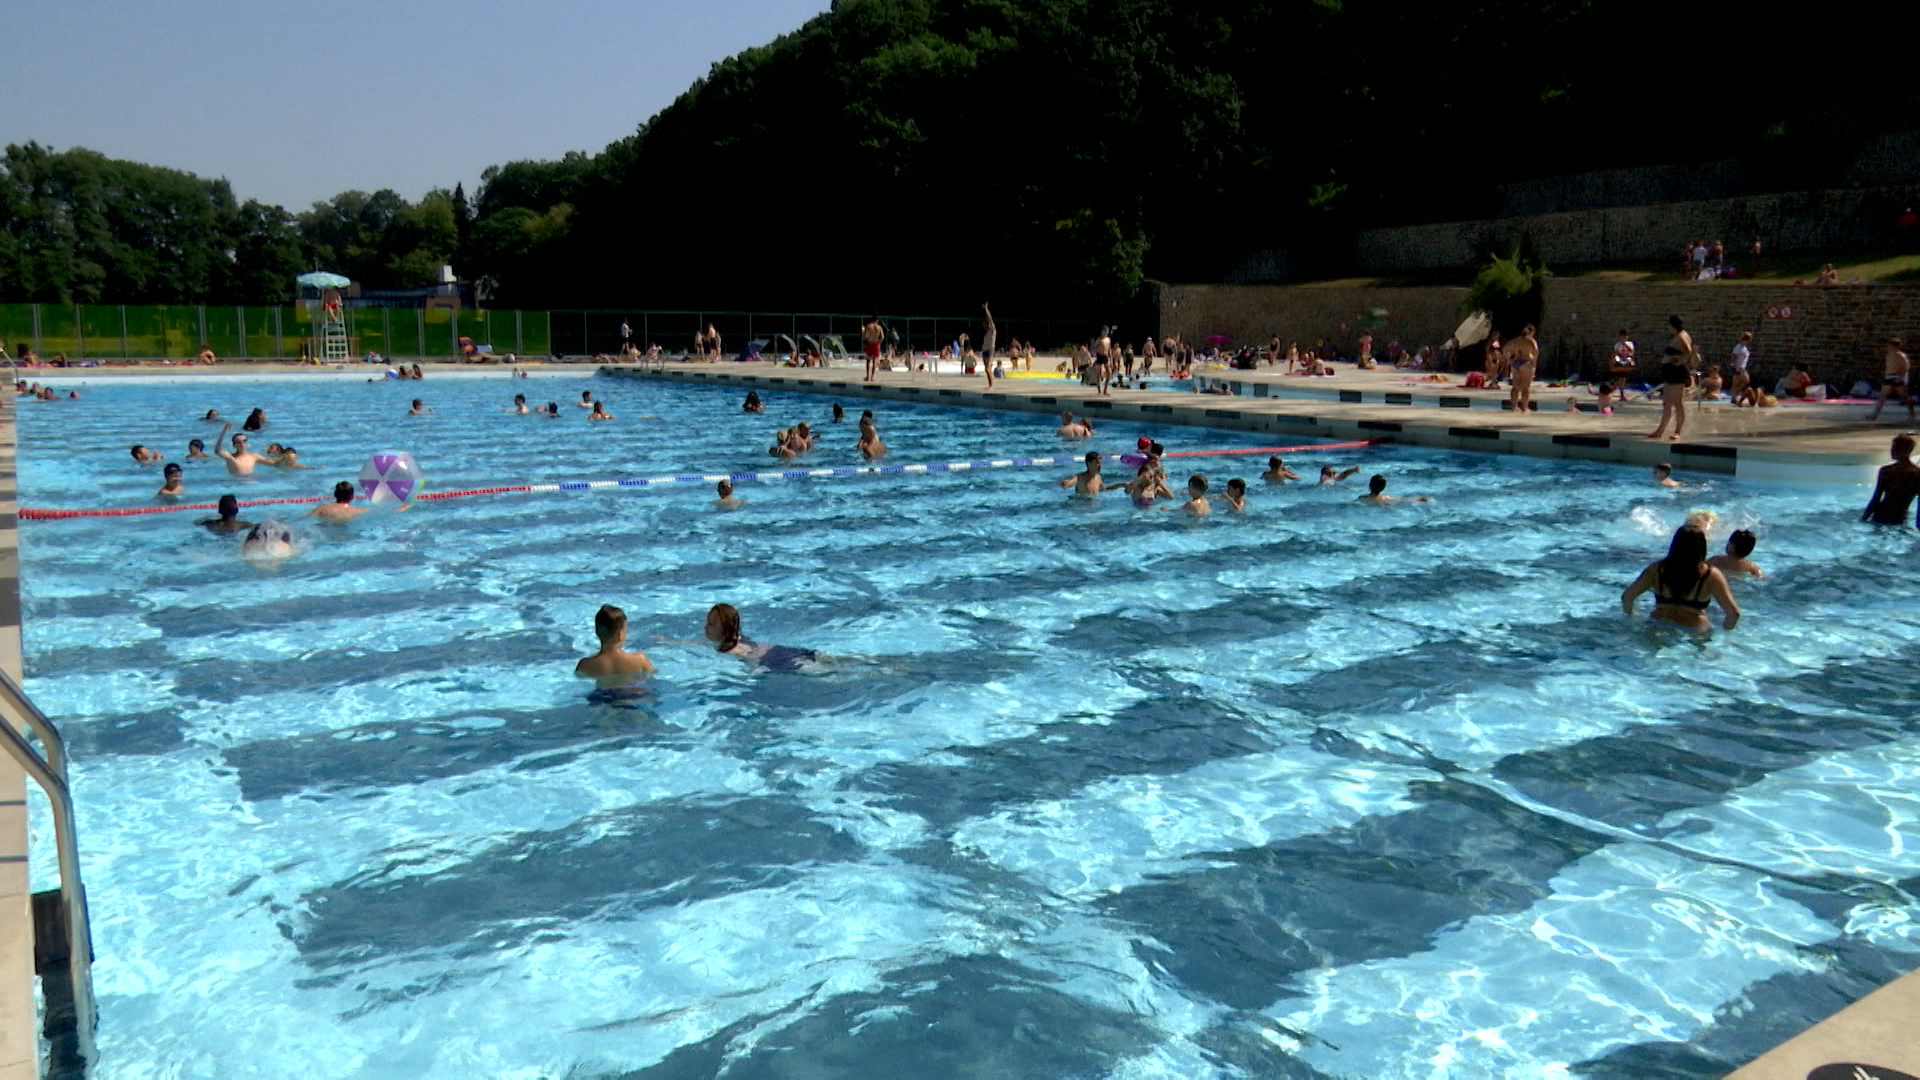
(296, 328)
(100, 332)
(146, 330)
(223, 330)
(536, 333)
(16, 328)
(439, 343)
(59, 332)
(367, 330)
(260, 343)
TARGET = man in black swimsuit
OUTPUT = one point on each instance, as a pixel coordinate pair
(229, 521)
(1899, 483)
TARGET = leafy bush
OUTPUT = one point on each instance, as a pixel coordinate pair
(1509, 289)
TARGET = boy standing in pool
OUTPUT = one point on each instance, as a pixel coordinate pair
(1897, 485)
(1087, 482)
(1735, 561)
(341, 510)
(613, 666)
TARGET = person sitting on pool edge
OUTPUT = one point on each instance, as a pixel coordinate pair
(1735, 561)
(612, 667)
(341, 510)
(1087, 481)
(1895, 488)
(727, 499)
(1377, 492)
(170, 485)
(723, 629)
(1682, 584)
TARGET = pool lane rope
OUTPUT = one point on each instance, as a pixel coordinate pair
(33, 513)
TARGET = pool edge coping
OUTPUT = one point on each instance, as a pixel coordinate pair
(19, 1031)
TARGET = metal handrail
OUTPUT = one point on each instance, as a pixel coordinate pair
(50, 772)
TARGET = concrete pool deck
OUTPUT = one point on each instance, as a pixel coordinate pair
(1798, 443)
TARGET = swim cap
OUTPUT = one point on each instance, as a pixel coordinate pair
(1143, 444)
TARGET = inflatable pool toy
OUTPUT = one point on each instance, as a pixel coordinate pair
(390, 478)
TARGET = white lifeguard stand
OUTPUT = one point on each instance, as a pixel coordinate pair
(327, 316)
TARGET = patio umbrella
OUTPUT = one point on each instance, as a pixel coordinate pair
(1474, 330)
(320, 279)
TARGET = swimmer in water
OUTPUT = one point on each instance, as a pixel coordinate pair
(419, 408)
(144, 456)
(1896, 487)
(1277, 471)
(613, 667)
(599, 412)
(341, 510)
(1682, 584)
(723, 629)
(552, 410)
(870, 445)
(212, 417)
(229, 521)
(1377, 492)
(1236, 496)
(1663, 476)
(1735, 561)
(752, 404)
(197, 451)
(727, 499)
(269, 541)
(240, 460)
(782, 447)
(1087, 482)
(1068, 429)
(1196, 503)
(1331, 475)
(256, 420)
(170, 485)
(839, 413)
(586, 400)
(801, 438)
(1143, 487)
(519, 405)
(289, 458)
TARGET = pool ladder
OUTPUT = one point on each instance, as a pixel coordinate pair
(61, 925)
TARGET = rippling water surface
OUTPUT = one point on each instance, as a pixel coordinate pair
(1324, 790)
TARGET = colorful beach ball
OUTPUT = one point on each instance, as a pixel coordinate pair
(390, 478)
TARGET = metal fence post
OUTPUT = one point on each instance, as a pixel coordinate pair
(38, 346)
(123, 331)
(240, 321)
(519, 332)
(386, 330)
(79, 333)
(420, 331)
(200, 312)
(279, 346)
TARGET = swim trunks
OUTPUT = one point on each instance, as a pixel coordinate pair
(873, 350)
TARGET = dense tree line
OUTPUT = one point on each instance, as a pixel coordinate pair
(1047, 154)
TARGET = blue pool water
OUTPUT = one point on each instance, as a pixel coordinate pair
(1329, 790)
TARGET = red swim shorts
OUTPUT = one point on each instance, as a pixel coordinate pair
(873, 350)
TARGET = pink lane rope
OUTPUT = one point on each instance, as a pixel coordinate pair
(31, 513)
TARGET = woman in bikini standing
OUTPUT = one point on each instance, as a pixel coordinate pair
(1683, 584)
(1675, 375)
(1496, 361)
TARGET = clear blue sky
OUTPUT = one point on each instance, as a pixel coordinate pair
(294, 102)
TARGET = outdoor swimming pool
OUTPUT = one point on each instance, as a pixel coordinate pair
(1327, 790)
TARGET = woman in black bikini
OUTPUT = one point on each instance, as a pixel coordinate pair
(723, 629)
(1675, 374)
(1683, 584)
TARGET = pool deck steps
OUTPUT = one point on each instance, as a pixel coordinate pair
(1775, 444)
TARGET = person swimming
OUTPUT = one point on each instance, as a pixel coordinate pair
(1663, 476)
(170, 485)
(1236, 495)
(1377, 492)
(1087, 481)
(753, 403)
(727, 499)
(1331, 475)
(586, 400)
(1683, 584)
(229, 520)
(256, 420)
(723, 629)
(144, 456)
(519, 405)
(419, 408)
(839, 413)
(1739, 545)
(1277, 471)
(268, 541)
(1143, 487)
(612, 667)
(870, 445)
(599, 412)
(341, 510)
(1196, 503)
(197, 451)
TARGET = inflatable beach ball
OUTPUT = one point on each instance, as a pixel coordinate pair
(390, 478)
